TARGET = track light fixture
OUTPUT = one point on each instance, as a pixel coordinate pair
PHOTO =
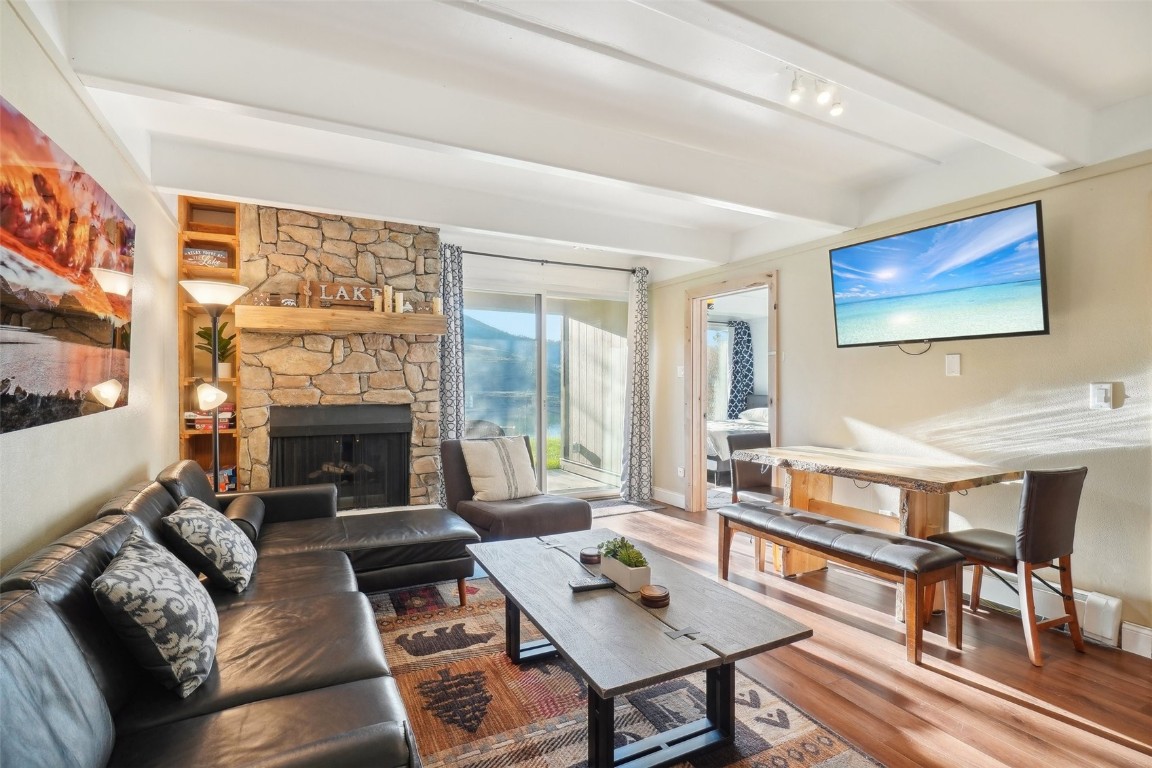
(824, 90)
(797, 88)
(823, 93)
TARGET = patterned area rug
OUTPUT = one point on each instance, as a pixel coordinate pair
(613, 507)
(472, 708)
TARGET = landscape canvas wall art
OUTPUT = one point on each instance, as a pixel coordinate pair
(61, 335)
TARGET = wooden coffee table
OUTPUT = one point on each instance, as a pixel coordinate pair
(618, 646)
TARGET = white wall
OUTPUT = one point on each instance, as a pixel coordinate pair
(1021, 402)
(53, 477)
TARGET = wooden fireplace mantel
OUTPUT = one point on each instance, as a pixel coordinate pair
(306, 320)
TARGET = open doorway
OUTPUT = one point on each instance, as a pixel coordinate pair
(732, 381)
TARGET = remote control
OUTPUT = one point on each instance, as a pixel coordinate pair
(592, 582)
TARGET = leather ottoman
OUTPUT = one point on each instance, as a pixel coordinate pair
(388, 549)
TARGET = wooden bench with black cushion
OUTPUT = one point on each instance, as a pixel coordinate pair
(916, 563)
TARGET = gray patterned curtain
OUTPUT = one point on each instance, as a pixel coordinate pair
(743, 369)
(636, 477)
(451, 346)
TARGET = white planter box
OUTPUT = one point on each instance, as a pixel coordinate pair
(629, 579)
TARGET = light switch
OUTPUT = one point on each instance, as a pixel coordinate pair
(679, 371)
(952, 365)
(1100, 395)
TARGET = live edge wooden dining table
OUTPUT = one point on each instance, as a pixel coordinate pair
(924, 487)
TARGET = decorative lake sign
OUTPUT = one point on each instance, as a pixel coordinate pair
(61, 335)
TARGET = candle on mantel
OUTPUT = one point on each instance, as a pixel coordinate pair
(378, 303)
(387, 302)
(437, 305)
(398, 301)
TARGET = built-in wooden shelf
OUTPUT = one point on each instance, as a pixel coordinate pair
(212, 224)
(207, 378)
(190, 433)
(198, 272)
(305, 320)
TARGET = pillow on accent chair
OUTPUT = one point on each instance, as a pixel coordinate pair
(500, 468)
(162, 613)
(210, 543)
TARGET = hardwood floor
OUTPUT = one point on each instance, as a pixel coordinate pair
(985, 706)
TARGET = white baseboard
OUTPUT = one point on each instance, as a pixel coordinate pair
(1136, 639)
(671, 498)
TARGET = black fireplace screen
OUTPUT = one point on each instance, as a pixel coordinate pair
(363, 450)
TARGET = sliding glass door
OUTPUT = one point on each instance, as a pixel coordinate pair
(586, 431)
(551, 366)
(501, 368)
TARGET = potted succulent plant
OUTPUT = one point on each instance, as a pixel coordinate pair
(224, 348)
(624, 564)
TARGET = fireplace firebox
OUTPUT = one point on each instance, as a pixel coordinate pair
(362, 449)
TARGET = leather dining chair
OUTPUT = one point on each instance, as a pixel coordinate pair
(1044, 533)
(752, 482)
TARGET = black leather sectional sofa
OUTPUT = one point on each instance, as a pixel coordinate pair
(299, 677)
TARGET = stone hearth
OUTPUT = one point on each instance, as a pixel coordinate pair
(279, 249)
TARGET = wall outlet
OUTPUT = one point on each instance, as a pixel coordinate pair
(679, 371)
(952, 365)
(679, 471)
(1100, 396)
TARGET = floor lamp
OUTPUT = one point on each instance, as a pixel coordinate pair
(214, 298)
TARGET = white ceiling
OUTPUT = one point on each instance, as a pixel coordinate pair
(652, 132)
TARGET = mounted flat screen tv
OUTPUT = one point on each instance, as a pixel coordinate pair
(978, 277)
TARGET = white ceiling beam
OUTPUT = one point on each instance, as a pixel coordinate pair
(281, 82)
(183, 167)
(515, 17)
(885, 50)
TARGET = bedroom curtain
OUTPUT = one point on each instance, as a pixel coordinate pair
(636, 474)
(451, 347)
(743, 369)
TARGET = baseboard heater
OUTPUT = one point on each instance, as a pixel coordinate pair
(1098, 614)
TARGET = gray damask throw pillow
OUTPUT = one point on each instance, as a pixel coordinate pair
(210, 543)
(162, 613)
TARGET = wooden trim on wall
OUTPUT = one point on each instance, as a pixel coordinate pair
(695, 356)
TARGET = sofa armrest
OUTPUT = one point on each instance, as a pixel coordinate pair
(247, 511)
(296, 502)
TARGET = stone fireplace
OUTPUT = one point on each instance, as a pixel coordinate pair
(281, 248)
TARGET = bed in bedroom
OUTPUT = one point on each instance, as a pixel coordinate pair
(755, 418)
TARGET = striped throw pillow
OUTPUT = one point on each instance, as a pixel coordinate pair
(500, 469)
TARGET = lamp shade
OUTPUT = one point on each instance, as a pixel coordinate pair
(210, 293)
(107, 393)
(209, 397)
(111, 281)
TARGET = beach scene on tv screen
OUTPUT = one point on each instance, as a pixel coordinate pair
(974, 277)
